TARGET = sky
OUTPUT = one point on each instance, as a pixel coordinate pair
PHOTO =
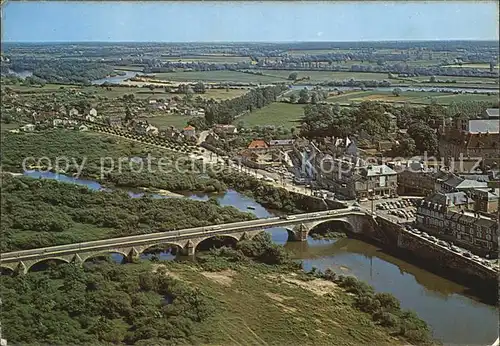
(247, 21)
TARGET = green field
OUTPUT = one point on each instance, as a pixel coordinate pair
(116, 92)
(216, 76)
(416, 97)
(276, 114)
(208, 58)
(460, 79)
(322, 76)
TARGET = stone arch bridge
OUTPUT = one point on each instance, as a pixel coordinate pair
(298, 227)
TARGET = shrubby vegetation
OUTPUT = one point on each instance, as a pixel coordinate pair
(103, 304)
(40, 212)
(60, 70)
(384, 308)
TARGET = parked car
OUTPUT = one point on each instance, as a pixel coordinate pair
(443, 243)
(467, 254)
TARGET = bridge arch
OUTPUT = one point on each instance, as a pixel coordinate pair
(6, 270)
(336, 224)
(104, 253)
(43, 263)
(216, 241)
(174, 247)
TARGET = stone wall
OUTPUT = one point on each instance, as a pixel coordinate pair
(434, 257)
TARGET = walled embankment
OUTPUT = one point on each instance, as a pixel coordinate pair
(436, 258)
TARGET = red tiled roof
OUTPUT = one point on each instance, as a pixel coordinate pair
(189, 128)
(257, 143)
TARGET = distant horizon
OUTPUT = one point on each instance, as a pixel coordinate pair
(244, 22)
(261, 42)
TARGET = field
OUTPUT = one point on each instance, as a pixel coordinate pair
(116, 92)
(276, 114)
(415, 97)
(208, 58)
(216, 76)
(480, 66)
(322, 76)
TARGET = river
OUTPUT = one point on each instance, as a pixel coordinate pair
(455, 317)
(117, 79)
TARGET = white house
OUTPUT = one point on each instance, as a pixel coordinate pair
(93, 112)
(73, 112)
(90, 117)
(28, 128)
(151, 130)
(83, 128)
(57, 122)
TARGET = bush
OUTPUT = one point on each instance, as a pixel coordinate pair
(386, 319)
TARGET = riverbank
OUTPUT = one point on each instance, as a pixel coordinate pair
(252, 294)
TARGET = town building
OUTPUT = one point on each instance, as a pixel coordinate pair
(57, 122)
(416, 178)
(225, 129)
(115, 121)
(83, 128)
(73, 112)
(93, 112)
(377, 180)
(491, 113)
(28, 128)
(471, 138)
(451, 216)
(486, 201)
(258, 145)
(283, 144)
(189, 131)
(453, 183)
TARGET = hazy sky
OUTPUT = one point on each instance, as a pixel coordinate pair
(257, 21)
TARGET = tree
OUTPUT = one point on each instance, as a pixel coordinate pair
(314, 98)
(151, 87)
(424, 136)
(199, 88)
(432, 79)
(292, 76)
(405, 148)
(304, 96)
(293, 98)
(128, 115)
(396, 92)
